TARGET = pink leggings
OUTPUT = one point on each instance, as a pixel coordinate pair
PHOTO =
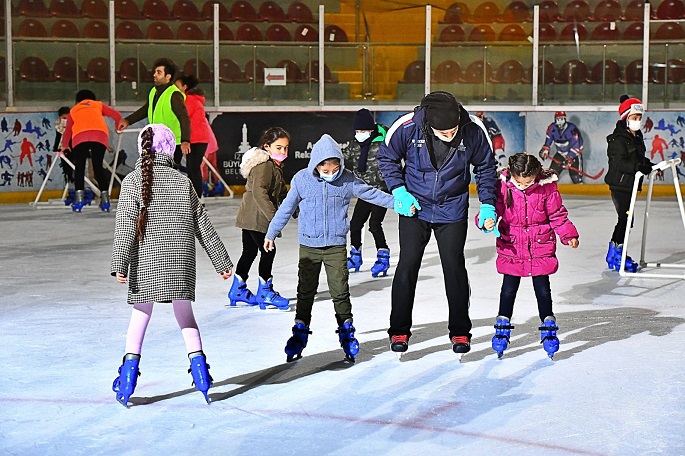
(183, 311)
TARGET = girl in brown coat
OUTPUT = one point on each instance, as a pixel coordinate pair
(265, 189)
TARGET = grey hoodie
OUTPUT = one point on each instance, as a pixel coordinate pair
(324, 205)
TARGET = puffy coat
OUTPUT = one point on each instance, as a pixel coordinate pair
(162, 267)
(527, 245)
(200, 130)
(442, 193)
(352, 154)
(323, 220)
(264, 191)
(625, 153)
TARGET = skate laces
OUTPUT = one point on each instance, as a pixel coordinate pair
(399, 338)
(460, 340)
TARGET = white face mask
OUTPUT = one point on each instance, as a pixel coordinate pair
(522, 187)
(561, 122)
(634, 125)
(361, 137)
(442, 137)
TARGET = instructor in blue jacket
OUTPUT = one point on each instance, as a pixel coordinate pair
(426, 162)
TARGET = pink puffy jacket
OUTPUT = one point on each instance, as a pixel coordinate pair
(527, 246)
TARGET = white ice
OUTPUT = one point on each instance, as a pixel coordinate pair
(617, 386)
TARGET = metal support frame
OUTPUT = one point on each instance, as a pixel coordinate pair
(661, 166)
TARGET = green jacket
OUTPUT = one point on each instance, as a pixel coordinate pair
(162, 112)
(352, 152)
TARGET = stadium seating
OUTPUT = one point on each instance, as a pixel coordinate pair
(482, 33)
(569, 32)
(94, 9)
(159, 31)
(243, 11)
(577, 11)
(270, 11)
(608, 72)
(199, 69)
(306, 33)
(456, 13)
(126, 9)
(608, 10)
(189, 31)
(65, 70)
(415, 72)
(517, 11)
(64, 28)
(132, 69)
(229, 71)
(185, 10)
(32, 28)
(299, 12)
(452, 34)
(34, 69)
(249, 32)
(98, 69)
(208, 11)
(293, 74)
(33, 8)
(573, 71)
(671, 9)
(478, 73)
(605, 31)
(128, 30)
(333, 33)
(509, 72)
(64, 8)
(447, 72)
(513, 32)
(486, 13)
(254, 70)
(277, 32)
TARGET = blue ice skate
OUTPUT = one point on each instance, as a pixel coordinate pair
(347, 341)
(295, 345)
(354, 261)
(71, 197)
(548, 336)
(382, 264)
(240, 293)
(199, 369)
(268, 297)
(500, 341)
(125, 384)
(104, 201)
(79, 201)
(613, 258)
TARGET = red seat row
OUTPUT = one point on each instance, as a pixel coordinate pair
(186, 10)
(571, 72)
(574, 11)
(603, 31)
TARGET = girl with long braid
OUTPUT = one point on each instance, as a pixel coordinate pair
(158, 218)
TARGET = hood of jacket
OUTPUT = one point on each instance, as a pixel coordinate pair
(253, 157)
(326, 147)
(544, 178)
(199, 98)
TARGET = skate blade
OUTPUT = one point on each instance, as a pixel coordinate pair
(350, 359)
(399, 355)
(291, 359)
(500, 355)
(124, 402)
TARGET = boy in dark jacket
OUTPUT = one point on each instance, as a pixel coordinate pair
(425, 161)
(626, 151)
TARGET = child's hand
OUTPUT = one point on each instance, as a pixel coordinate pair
(269, 245)
(573, 243)
(489, 224)
(227, 274)
(121, 278)
(413, 210)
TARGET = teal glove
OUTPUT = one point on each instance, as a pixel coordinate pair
(487, 211)
(404, 201)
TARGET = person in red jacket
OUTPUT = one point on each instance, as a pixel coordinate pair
(87, 134)
(201, 134)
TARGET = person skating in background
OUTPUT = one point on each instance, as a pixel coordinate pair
(496, 137)
(201, 134)
(159, 216)
(165, 105)
(87, 134)
(426, 161)
(532, 216)
(323, 192)
(265, 189)
(360, 158)
(626, 152)
(569, 147)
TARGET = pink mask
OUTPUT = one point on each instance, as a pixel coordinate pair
(279, 157)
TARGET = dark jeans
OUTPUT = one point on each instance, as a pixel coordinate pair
(362, 211)
(79, 155)
(334, 260)
(193, 162)
(577, 163)
(414, 236)
(621, 202)
(253, 243)
(543, 293)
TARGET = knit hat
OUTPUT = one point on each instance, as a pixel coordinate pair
(630, 106)
(442, 110)
(163, 139)
(363, 120)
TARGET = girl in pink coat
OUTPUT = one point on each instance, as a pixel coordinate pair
(532, 215)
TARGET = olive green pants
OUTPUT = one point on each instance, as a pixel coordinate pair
(334, 260)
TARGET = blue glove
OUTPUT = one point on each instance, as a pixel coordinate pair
(487, 211)
(404, 201)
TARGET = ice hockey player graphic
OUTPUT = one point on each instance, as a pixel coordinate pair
(496, 138)
(569, 147)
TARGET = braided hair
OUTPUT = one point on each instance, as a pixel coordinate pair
(147, 156)
(524, 165)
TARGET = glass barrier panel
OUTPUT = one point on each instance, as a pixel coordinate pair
(666, 75)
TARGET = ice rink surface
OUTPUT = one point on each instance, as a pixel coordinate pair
(616, 387)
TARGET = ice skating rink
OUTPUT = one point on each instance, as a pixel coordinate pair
(617, 386)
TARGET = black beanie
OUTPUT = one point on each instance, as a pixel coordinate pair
(85, 94)
(363, 120)
(442, 110)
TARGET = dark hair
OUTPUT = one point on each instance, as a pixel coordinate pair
(189, 80)
(147, 156)
(169, 67)
(329, 159)
(85, 94)
(63, 110)
(272, 135)
(524, 165)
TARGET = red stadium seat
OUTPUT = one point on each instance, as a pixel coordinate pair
(608, 10)
(577, 11)
(312, 72)
(96, 29)
(248, 32)
(549, 11)
(208, 11)
(156, 10)
(270, 11)
(126, 9)
(225, 33)
(128, 30)
(569, 33)
(333, 33)
(676, 72)
(199, 69)
(95, 9)
(486, 12)
(277, 32)
(299, 12)
(509, 72)
(477, 72)
(292, 71)
(447, 72)
(33, 8)
(254, 70)
(482, 32)
(243, 11)
(185, 10)
(34, 69)
(415, 72)
(306, 33)
(635, 11)
(634, 32)
(605, 32)
(159, 31)
(517, 11)
(452, 34)
(633, 72)
(513, 32)
(32, 28)
(457, 13)
(132, 69)
(546, 71)
(671, 9)
(670, 31)
(98, 69)
(229, 71)
(608, 71)
(573, 71)
(64, 28)
(547, 33)
(64, 8)
(189, 31)
(66, 70)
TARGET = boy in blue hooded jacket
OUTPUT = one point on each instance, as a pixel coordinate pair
(323, 192)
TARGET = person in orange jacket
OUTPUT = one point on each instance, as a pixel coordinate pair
(87, 134)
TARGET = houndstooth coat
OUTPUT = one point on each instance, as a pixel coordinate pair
(162, 267)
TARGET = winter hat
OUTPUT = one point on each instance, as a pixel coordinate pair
(630, 106)
(442, 110)
(363, 120)
(163, 139)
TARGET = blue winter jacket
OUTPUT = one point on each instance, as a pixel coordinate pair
(442, 193)
(323, 205)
